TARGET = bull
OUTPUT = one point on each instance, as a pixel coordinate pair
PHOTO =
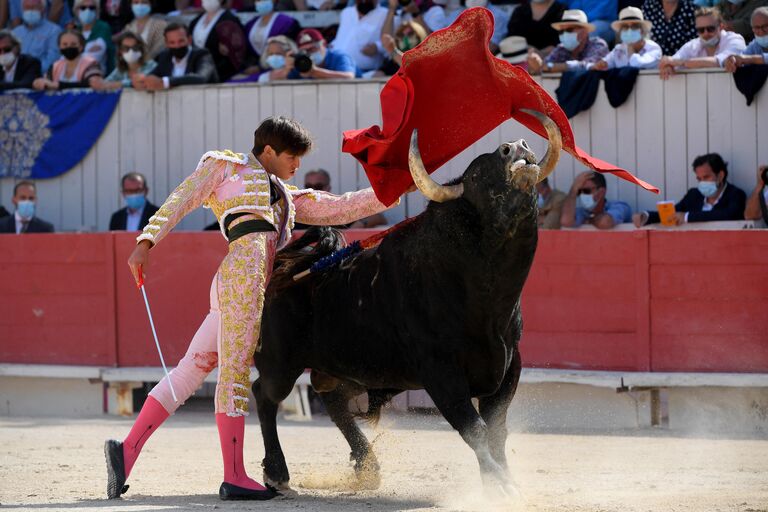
(436, 306)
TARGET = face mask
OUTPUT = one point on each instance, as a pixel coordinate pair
(317, 57)
(365, 7)
(586, 201)
(276, 61)
(26, 209)
(180, 52)
(710, 43)
(476, 3)
(211, 5)
(707, 188)
(265, 6)
(70, 53)
(570, 40)
(7, 59)
(141, 10)
(439, 2)
(87, 16)
(135, 201)
(131, 56)
(762, 40)
(540, 201)
(31, 17)
(631, 35)
(702, 3)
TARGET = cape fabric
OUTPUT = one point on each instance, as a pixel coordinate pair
(43, 135)
(750, 79)
(577, 91)
(454, 91)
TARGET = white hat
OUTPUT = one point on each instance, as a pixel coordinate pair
(631, 15)
(513, 49)
(573, 18)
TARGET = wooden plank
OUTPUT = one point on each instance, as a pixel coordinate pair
(90, 191)
(158, 181)
(249, 111)
(650, 139)
(675, 140)
(696, 91)
(563, 175)
(71, 200)
(761, 106)
(327, 135)
(306, 112)
(108, 198)
(225, 115)
(743, 161)
(719, 114)
(347, 171)
(193, 137)
(603, 137)
(626, 144)
(144, 136)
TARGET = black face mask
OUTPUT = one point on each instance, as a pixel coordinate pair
(365, 7)
(180, 52)
(70, 53)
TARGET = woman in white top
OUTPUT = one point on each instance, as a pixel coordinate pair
(149, 28)
(221, 33)
(635, 50)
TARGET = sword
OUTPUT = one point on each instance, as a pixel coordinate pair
(140, 285)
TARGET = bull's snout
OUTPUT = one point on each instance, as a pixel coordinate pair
(520, 163)
(517, 150)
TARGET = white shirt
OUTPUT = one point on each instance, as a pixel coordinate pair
(647, 58)
(355, 32)
(19, 222)
(10, 73)
(179, 68)
(203, 29)
(133, 219)
(730, 43)
(259, 34)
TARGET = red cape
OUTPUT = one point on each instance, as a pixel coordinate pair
(454, 91)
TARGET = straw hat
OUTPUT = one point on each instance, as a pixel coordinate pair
(573, 18)
(513, 49)
(631, 15)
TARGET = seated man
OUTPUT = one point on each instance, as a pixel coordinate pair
(138, 210)
(39, 37)
(635, 49)
(586, 203)
(737, 14)
(756, 204)
(550, 204)
(24, 220)
(179, 63)
(17, 71)
(576, 49)
(757, 51)
(327, 63)
(710, 50)
(713, 199)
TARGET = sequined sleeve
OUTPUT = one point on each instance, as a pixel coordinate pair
(324, 209)
(190, 194)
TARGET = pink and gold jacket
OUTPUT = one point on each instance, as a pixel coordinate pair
(228, 182)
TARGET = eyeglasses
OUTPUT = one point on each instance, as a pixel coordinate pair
(87, 7)
(709, 28)
(633, 26)
(589, 191)
(124, 48)
(7, 49)
(760, 28)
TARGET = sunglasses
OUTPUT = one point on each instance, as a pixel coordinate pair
(709, 28)
(7, 49)
(589, 191)
(124, 48)
(87, 7)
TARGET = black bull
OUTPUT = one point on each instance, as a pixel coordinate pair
(435, 306)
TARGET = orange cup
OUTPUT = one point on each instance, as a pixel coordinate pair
(666, 212)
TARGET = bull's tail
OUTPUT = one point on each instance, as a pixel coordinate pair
(299, 255)
(377, 398)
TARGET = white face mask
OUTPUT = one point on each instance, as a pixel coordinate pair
(211, 5)
(475, 3)
(7, 59)
(586, 201)
(131, 56)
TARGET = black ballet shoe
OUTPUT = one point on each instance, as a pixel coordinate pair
(229, 492)
(113, 452)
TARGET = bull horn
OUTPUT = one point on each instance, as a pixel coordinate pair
(427, 186)
(548, 163)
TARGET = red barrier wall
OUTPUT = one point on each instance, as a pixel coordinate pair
(634, 301)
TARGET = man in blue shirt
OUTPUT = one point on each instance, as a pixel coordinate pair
(38, 36)
(586, 203)
(326, 62)
(757, 51)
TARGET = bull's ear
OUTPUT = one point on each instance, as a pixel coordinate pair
(549, 162)
(429, 187)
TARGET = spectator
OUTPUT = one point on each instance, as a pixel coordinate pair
(132, 61)
(408, 35)
(709, 50)
(74, 69)
(137, 209)
(98, 35)
(326, 63)
(19, 71)
(3, 211)
(178, 64)
(576, 49)
(267, 24)
(550, 204)
(586, 203)
(221, 33)
(501, 16)
(713, 199)
(514, 50)
(56, 11)
(277, 59)
(534, 21)
(634, 50)
(148, 27)
(757, 51)
(737, 13)
(359, 32)
(24, 220)
(756, 204)
(442, 14)
(38, 36)
(673, 23)
(116, 14)
(600, 12)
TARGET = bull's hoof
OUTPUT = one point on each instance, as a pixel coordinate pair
(282, 486)
(503, 489)
(368, 473)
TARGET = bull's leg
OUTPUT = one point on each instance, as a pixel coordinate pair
(450, 391)
(493, 410)
(337, 404)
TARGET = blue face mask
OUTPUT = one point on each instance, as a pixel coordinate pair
(762, 40)
(26, 209)
(317, 57)
(135, 201)
(702, 3)
(707, 188)
(569, 40)
(141, 10)
(87, 16)
(631, 35)
(586, 201)
(264, 6)
(276, 61)
(31, 17)
(540, 201)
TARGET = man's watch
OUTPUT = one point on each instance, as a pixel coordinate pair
(550, 65)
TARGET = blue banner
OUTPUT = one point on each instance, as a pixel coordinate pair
(43, 135)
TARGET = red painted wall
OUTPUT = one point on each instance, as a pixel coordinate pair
(635, 301)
